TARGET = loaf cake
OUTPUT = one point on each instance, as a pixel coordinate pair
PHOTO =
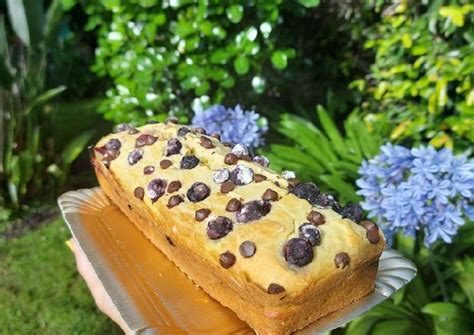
(273, 249)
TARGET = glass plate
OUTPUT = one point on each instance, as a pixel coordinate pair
(154, 296)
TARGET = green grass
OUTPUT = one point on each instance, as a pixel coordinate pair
(41, 291)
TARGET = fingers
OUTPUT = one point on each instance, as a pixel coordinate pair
(101, 297)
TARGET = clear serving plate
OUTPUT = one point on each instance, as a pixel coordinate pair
(153, 296)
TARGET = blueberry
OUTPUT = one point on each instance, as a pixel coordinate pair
(189, 162)
(198, 192)
(156, 188)
(298, 251)
(353, 212)
(134, 156)
(219, 227)
(253, 210)
(183, 131)
(173, 147)
(308, 191)
(310, 233)
(113, 144)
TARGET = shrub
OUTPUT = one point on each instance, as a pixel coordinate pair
(422, 74)
(170, 56)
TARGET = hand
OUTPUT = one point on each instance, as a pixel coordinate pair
(102, 299)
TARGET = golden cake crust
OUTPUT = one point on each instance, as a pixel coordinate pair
(310, 291)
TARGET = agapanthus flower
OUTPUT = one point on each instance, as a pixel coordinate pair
(233, 124)
(418, 189)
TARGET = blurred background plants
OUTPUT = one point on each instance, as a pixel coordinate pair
(422, 76)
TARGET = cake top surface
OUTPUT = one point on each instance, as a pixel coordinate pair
(230, 208)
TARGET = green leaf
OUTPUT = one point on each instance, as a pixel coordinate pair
(43, 98)
(331, 131)
(6, 72)
(235, 13)
(362, 325)
(447, 310)
(309, 3)
(241, 65)
(75, 147)
(53, 18)
(394, 327)
(279, 59)
(27, 19)
(465, 273)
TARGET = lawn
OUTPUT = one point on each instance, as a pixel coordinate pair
(41, 291)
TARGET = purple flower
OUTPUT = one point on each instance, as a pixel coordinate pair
(235, 125)
(418, 189)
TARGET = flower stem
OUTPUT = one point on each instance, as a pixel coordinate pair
(437, 273)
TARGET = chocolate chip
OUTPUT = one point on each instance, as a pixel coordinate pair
(148, 169)
(341, 260)
(219, 227)
(200, 130)
(170, 241)
(246, 158)
(352, 211)
(310, 233)
(241, 175)
(172, 119)
(231, 159)
(139, 193)
(292, 182)
(227, 144)
(227, 259)
(247, 249)
(206, 142)
(261, 160)
(327, 200)
(165, 163)
(110, 155)
(275, 289)
(134, 156)
(121, 127)
(113, 144)
(259, 177)
(287, 174)
(221, 176)
(174, 186)
(156, 188)
(308, 191)
(173, 147)
(233, 205)
(316, 218)
(253, 210)
(372, 231)
(145, 139)
(216, 135)
(129, 206)
(106, 163)
(373, 236)
(174, 200)
(240, 150)
(298, 251)
(270, 195)
(183, 131)
(198, 192)
(202, 214)
(189, 162)
(132, 131)
(227, 187)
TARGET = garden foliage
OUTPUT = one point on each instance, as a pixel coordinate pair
(170, 56)
(422, 76)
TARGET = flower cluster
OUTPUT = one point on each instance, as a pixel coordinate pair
(233, 124)
(418, 189)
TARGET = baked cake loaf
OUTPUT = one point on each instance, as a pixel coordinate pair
(275, 250)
